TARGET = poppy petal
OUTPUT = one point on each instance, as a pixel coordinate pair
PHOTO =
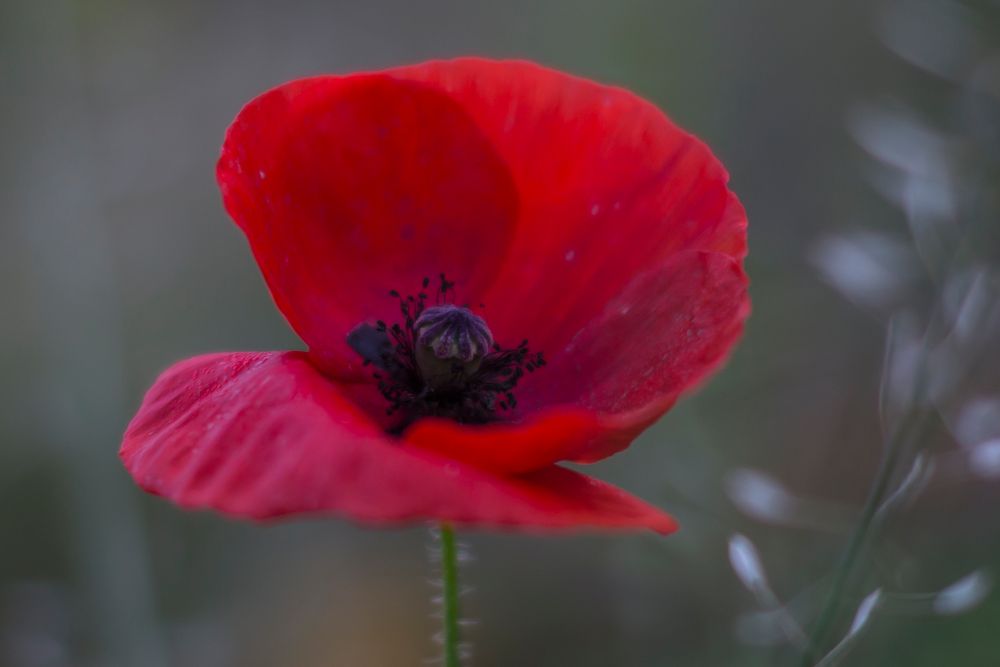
(609, 188)
(665, 333)
(510, 448)
(348, 187)
(265, 434)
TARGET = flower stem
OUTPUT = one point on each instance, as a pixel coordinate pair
(449, 581)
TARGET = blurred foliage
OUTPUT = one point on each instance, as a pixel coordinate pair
(116, 260)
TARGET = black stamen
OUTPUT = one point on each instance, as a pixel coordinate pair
(477, 393)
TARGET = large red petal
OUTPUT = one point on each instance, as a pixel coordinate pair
(609, 188)
(665, 333)
(347, 187)
(264, 434)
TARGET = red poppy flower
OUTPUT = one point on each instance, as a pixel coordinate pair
(513, 202)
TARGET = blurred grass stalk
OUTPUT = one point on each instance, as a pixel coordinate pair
(949, 232)
(83, 385)
(903, 436)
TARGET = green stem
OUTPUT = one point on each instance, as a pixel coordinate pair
(869, 513)
(449, 577)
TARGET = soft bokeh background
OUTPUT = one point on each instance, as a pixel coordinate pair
(858, 133)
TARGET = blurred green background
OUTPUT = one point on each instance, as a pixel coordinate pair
(844, 124)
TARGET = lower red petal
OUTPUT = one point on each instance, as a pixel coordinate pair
(264, 434)
(510, 448)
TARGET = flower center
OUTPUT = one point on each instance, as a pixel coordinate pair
(442, 361)
(451, 344)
